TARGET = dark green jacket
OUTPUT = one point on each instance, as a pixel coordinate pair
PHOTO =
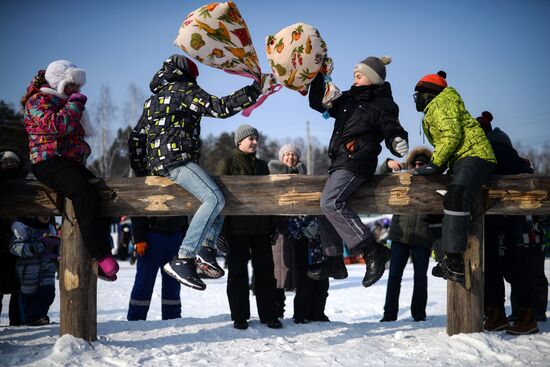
(247, 165)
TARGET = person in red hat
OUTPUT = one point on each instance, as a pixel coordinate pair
(461, 146)
(166, 142)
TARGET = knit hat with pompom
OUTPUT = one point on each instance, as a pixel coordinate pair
(432, 83)
(485, 121)
(373, 68)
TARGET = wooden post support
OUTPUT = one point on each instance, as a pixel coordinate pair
(77, 282)
(465, 302)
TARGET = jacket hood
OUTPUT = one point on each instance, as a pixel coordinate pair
(416, 152)
(499, 137)
(172, 71)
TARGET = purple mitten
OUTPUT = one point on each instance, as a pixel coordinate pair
(78, 97)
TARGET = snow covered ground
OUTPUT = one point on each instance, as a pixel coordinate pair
(205, 336)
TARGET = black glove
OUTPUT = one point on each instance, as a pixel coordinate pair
(430, 169)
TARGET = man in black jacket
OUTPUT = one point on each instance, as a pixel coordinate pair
(364, 117)
(249, 238)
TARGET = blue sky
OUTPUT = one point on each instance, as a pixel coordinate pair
(495, 53)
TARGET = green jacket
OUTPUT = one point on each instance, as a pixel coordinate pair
(453, 132)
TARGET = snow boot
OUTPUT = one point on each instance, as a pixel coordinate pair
(273, 323)
(376, 256)
(240, 324)
(526, 323)
(451, 268)
(495, 319)
(107, 267)
(333, 267)
(207, 265)
(185, 272)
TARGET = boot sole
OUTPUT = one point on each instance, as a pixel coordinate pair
(168, 270)
(203, 270)
(208, 269)
(531, 331)
(447, 275)
(379, 275)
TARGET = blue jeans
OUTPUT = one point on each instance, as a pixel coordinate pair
(198, 183)
(399, 256)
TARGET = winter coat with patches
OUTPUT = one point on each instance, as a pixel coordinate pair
(453, 132)
(168, 132)
(364, 117)
(412, 229)
(238, 164)
(36, 263)
(54, 128)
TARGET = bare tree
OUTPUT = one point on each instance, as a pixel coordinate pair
(132, 111)
(540, 158)
(104, 116)
(133, 106)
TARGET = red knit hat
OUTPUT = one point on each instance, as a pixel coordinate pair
(192, 68)
(485, 121)
(432, 83)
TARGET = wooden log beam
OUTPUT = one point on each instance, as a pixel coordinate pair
(281, 195)
(77, 282)
(465, 303)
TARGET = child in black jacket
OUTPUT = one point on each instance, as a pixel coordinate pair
(364, 116)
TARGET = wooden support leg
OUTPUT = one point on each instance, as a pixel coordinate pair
(465, 302)
(77, 282)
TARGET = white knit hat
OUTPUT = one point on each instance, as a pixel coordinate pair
(289, 148)
(8, 154)
(61, 72)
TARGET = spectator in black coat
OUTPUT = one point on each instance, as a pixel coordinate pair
(503, 239)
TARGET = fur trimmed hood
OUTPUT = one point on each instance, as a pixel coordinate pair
(422, 150)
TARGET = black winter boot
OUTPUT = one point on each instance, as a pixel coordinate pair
(207, 265)
(333, 267)
(376, 256)
(451, 268)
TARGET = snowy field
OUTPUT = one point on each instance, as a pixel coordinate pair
(205, 336)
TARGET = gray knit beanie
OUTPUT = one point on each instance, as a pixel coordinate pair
(373, 68)
(243, 132)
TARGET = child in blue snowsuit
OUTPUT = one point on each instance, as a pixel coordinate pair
(36, 244)
(157, 240)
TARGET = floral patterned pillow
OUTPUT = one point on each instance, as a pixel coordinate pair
(217, 35)
(296, 54)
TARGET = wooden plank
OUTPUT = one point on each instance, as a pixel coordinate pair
(281, 195)
(77, 282)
